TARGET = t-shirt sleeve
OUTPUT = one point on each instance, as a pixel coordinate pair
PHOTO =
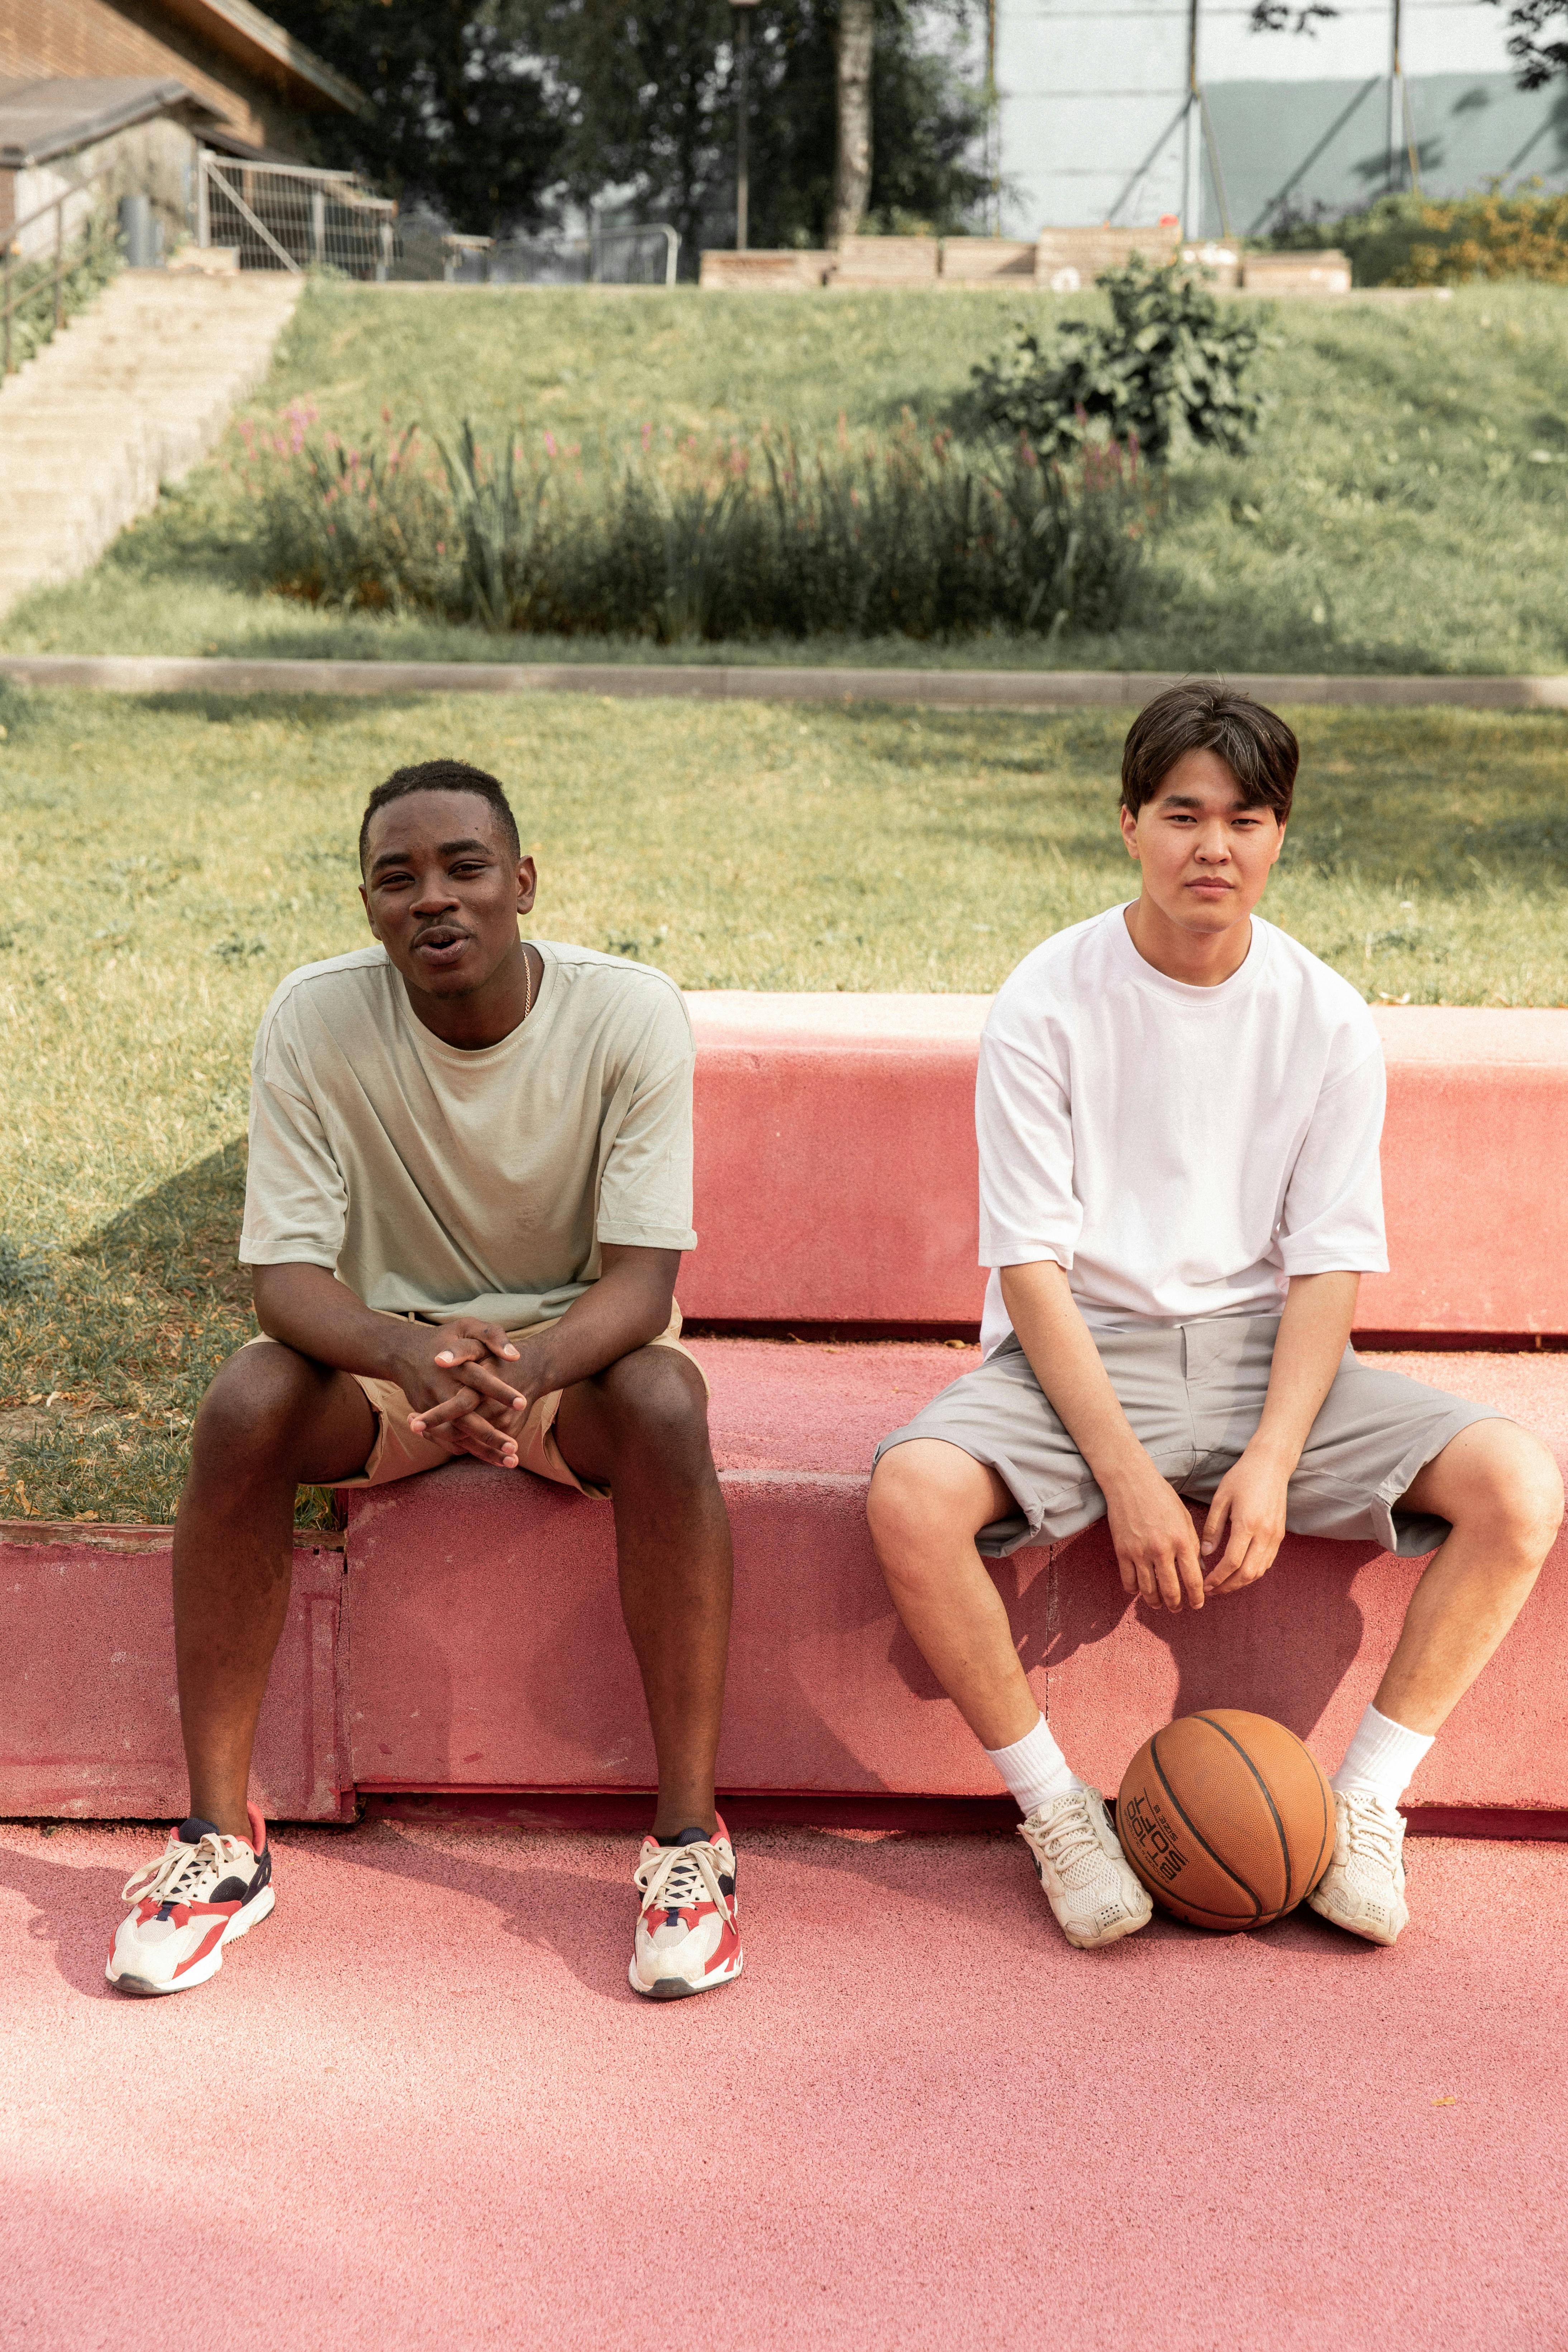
(296, 1201)
(1023, 1120)
(645, 1189)
(1333, 1221)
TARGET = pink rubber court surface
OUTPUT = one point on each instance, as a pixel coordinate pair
(420, 2107)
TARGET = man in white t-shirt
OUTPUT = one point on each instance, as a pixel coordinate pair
(468, 1190)
(1179, 1111)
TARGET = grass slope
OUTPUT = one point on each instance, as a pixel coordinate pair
(174, 857)
(1405, 509)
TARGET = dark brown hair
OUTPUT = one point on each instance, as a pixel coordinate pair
(443, 776)
(1255, 744)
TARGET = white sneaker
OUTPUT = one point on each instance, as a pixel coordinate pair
(1092, 1886)
(204, 1891)
(687, 1934)
(1363, 1886)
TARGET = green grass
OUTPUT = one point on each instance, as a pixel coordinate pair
(1392, 516)
(174, 856)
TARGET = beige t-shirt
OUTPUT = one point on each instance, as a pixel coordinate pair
(438, 1182)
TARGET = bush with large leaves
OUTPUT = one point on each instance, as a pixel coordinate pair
(1170, 369)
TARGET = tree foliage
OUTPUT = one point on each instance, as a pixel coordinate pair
(493, 113)
(1537, 60)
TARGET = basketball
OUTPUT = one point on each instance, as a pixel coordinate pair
(1226, 1819)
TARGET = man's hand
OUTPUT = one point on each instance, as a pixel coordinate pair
(1156, 1544)
(1249, 1508)
(463, 1401)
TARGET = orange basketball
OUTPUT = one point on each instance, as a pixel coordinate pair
(1226, 1819)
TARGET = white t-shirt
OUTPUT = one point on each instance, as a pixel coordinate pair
(433, 1181)
(1179, 1152)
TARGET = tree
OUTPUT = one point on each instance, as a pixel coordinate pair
(1538, 61)
(496, 110)
(853, 46)
(459, 111)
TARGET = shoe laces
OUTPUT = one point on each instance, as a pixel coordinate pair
(183, 1874)
(677, 1878)
(1069, 1840)
(1372, 1833)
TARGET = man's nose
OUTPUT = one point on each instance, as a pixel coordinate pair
(435, 892)
(1214, 847)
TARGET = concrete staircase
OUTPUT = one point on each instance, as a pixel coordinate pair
(129, 397)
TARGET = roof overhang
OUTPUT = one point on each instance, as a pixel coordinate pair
(253, 40)
(42, 119)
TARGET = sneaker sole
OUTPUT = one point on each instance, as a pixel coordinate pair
(1112, 1936)
(678, 1988)
(249, 1916)
(1349, 1928)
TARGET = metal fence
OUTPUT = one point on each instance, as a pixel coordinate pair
(641, 254)
(290, 217)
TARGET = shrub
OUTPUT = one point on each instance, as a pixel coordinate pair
(1168, 370)
(907, 532)
(1412, 241)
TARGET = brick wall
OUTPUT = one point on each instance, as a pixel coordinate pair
(45, 40)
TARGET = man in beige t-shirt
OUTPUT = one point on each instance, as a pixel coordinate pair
(470, 1187)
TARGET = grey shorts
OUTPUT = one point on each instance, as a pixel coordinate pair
(1193, 1393)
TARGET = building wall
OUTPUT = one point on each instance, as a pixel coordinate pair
(43, 39)
(155, 159)
(1094, 109)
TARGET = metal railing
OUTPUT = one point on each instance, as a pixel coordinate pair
(44, 280)
(293, 217)
(641, 254)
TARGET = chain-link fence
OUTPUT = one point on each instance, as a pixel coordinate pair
(289, 217)
(637, 255)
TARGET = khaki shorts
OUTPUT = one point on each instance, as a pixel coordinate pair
(400, 1452)
(1193, 1393)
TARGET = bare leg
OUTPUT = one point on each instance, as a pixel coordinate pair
(641, 1429)
(271, 1422)
(928, 1502)
(1499, 1489)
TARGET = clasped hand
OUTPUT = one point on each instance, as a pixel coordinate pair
(454, 1376)
(1158, 1551)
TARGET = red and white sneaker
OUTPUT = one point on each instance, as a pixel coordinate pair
(689, 1935)
(204, 1891)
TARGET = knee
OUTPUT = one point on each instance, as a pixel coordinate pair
(658, 1411)
(254, 1409)
(918, 1502)
(1518, 1499)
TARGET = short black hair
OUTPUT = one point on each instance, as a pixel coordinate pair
(443, 776)
(1255, 744)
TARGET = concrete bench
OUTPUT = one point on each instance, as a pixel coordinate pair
(862, 261)
(837, 1173)
(466, 1636)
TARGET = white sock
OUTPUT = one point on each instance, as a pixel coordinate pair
(1035, 1769)
(1381, 1759)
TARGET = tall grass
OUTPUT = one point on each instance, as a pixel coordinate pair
(681, 539)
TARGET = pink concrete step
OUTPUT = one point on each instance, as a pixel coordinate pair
(487, 1652)
(90, 1723)
(837, 1180)
(475, 1644)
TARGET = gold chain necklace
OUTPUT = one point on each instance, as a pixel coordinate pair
(527, 983)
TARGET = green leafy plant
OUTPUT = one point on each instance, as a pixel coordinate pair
(1168, 370)
(907, 533)
(1411, 240)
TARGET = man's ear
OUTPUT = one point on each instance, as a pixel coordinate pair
(527, 884)
(1128, 829)
(370, 919)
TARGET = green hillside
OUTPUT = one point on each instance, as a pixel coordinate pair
(1404, 507)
